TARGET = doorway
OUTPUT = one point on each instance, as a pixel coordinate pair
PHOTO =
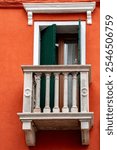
(66, 35)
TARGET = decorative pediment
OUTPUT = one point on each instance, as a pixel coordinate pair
(50, 8)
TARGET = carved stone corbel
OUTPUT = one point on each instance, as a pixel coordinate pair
(85, 132)
(29, 129)
(89, 17)
(30, 17)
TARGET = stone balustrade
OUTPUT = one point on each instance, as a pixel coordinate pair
(76, 116)
(76, 71)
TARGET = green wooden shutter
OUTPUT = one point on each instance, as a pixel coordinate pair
(79, 42)
(48, 57)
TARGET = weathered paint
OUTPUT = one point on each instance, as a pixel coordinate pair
(16, 48)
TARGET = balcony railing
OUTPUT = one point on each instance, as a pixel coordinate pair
(75, 117)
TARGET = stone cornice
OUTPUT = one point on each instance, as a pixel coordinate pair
(66, 7)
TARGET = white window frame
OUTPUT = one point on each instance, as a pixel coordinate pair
(38, 24)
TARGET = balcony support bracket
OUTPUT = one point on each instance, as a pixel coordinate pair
(30, 130)
(85, 127)
(31, 122)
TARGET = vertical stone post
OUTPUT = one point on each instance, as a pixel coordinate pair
(84, 106)
(27, 96)
(27, 108)
(84, 92)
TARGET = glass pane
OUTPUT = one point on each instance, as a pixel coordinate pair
(70, 53)
(70, 57)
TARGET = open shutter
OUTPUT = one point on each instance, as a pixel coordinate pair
(48, 57)
(48, 48)
(79, 42)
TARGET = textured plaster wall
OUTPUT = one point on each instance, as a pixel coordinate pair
(16, 48)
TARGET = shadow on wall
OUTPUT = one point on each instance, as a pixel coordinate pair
(58, 140)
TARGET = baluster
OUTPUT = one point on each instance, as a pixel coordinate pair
(34, 94)
(65, 103)
(47, 95)
(56, 93)
(37, 102)
(74, 93)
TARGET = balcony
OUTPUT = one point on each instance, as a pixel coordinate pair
(61, 116)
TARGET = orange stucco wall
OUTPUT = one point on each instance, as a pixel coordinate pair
(16, 48)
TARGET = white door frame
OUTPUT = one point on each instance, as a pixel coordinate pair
(38, 24)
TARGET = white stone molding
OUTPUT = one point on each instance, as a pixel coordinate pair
(57, 68)
(27, 92)
(74, 7)
(81, 116)
(83, 42)
(64, 120)
(84, 91)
